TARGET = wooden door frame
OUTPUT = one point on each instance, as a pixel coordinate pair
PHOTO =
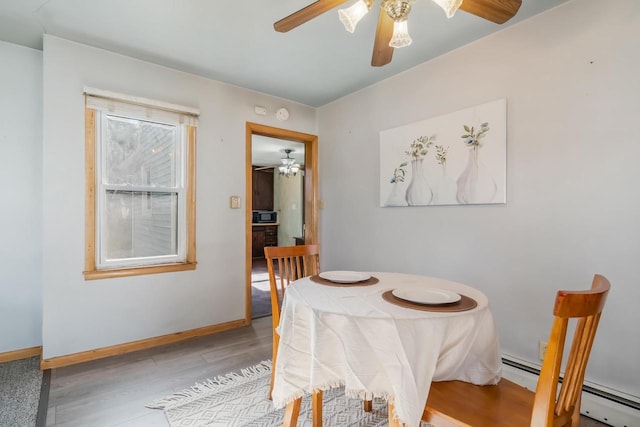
(310, 190)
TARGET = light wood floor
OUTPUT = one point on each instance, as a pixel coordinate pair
(260, 290)
(114, 391)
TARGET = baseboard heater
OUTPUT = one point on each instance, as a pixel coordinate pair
(608, 406)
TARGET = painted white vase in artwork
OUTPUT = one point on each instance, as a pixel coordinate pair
(444, 189)
(418, 192)
(397, 196)
(475, 184)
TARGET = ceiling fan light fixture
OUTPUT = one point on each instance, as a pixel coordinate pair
(398, 10)
(352, 15)
(289, 166)
(400, 36)
(449, 6)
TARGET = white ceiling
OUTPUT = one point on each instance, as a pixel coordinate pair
(234, 41)
(266, 151)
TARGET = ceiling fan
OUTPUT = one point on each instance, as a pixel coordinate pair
(287, 166)
(392, 19)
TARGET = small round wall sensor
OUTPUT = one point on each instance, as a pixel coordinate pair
(282, 114)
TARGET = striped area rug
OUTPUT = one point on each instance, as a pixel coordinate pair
(240, 399)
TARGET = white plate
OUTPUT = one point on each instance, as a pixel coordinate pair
(427, 295)
(345, 276)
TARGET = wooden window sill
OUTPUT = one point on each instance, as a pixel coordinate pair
(138, 271)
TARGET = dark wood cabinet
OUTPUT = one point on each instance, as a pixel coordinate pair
(257, 245)
(263, 235)
(271, 235)
(262, 184)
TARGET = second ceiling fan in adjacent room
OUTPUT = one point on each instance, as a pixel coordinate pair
(392, 31)
(287, 167)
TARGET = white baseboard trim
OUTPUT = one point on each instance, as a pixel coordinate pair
(595, 403)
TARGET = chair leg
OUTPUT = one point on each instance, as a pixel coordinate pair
(368, 406)
(316, 408)
(291, 413)
(575, 416)
(274, 353)
(393, 422)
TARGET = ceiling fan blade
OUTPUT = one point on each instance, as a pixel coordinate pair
(498, 11)
(305, 14)
(382, 52)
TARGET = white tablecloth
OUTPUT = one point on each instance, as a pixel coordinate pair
(332, 336)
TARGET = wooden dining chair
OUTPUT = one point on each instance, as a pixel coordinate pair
(286, 264)
(457, 403)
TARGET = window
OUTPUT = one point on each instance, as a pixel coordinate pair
(140, 202)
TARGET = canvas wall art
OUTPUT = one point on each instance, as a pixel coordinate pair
(454, 159)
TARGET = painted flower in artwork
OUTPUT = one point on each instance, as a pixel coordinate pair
(399, 173)
(420, 146)
(441, 154)
(473, 137)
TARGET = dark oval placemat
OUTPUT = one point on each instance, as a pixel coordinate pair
(370, 281)
(465, 303)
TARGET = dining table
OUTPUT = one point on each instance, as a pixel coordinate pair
(383, 335)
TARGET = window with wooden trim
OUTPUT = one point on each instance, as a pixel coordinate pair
(140, 189)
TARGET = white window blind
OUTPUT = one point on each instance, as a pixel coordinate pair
(140, 108)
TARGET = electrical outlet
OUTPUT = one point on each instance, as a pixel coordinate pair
(542, 349)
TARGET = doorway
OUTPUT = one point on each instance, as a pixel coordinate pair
(296, 143)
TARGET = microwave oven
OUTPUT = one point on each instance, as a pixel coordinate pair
(265, 217)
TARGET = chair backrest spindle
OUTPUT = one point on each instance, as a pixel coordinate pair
(586, 306)
(285, 265)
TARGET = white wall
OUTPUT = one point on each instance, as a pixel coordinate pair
(288, 202)
(21, 189)
(80, 315)
(573, 205)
